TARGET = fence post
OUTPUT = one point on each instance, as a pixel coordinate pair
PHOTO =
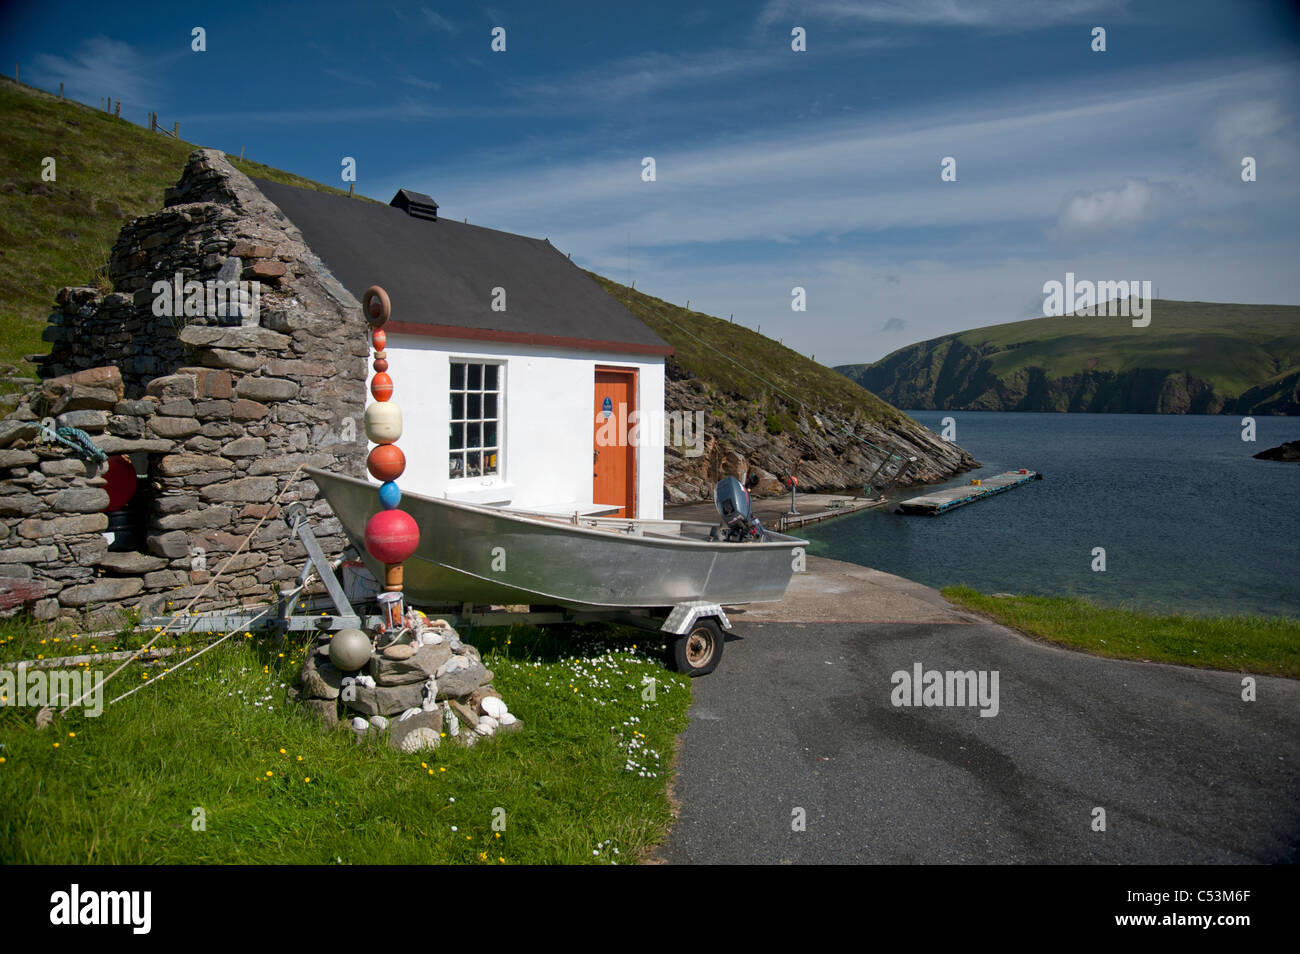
(241, 153)
(117, 110)
(153, 120)
(16, 79)
(350, 185)
(60, 89)
(176, 130)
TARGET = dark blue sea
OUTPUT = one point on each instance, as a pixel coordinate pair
(1189, 520)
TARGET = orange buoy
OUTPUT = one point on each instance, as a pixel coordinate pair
(381, 386)
(379, 338)
(386, 462)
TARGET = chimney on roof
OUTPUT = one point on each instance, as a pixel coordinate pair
(416, 204)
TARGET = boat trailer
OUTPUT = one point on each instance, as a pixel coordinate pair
(699, 626)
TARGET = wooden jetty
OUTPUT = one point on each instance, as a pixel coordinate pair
(834, 507)
(941, 501)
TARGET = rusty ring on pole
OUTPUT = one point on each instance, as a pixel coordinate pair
(375, 306)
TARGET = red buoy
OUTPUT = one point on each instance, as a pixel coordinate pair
(381, 386)
(121, 482)
(392, 536)
(386, 462)
(379, 338)
(381, 364)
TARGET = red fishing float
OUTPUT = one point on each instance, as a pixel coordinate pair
(381, 364)
(120, 482)
(381, 386)
(379, 338)
(386, 462)
(392, 536)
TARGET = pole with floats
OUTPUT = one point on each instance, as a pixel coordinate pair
(392, 535)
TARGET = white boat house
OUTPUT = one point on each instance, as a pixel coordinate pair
(522, 383)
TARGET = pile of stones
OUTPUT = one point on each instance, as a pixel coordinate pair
(410, 686)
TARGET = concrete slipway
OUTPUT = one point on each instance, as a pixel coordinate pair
(799, 716)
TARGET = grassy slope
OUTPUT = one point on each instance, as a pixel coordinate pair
(819, 386)
(60, 233)
(110, 170)
(219, 736)
(1236, 643)
(1232, 347)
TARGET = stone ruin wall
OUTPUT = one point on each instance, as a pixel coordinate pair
(219, 410)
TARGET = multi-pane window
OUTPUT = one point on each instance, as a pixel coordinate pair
(473, 449)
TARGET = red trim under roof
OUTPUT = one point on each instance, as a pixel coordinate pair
(517, 337)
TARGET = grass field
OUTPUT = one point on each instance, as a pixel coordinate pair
(584, 782)
(1253, 644)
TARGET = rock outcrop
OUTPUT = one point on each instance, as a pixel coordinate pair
(739, 437)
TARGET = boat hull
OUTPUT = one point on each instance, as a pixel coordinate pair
(483, 555)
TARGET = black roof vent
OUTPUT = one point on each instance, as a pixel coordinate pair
(416, 204)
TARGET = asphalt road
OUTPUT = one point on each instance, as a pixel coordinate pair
(799, 716)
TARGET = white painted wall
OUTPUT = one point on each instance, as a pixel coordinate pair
(547, 422)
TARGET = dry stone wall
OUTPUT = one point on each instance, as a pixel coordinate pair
(217, 410)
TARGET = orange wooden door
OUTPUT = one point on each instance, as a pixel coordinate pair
(613, 477)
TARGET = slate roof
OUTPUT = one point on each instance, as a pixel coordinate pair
(440, 275)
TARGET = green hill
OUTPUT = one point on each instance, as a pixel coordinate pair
(107, 171)
(769, 406)
(1194, 358)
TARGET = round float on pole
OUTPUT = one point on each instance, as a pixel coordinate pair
(391, 535)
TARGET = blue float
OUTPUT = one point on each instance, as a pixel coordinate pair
(389, 495)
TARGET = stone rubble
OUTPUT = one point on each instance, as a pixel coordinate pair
(420, 683)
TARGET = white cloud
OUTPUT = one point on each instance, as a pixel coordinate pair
(1125, 206)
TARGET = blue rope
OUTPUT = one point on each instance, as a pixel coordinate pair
(78, 440)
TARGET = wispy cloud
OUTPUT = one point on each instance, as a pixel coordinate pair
(101, 66)
(436, 20)
(1012, 16)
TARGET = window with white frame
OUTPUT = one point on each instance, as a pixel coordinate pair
(474, 432)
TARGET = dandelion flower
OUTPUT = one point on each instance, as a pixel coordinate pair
(269, 774)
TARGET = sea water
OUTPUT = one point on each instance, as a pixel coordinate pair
(1188, 520)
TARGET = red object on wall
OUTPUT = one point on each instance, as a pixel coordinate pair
(392, 536)
(381, 386)
(386, 462)
(122, 482)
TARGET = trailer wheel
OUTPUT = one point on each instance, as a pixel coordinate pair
(698, 651)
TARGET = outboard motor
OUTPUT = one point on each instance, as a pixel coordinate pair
(739, 525)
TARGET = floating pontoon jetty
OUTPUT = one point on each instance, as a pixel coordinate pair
(941, 501)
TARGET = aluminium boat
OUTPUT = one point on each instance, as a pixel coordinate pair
(492, 555)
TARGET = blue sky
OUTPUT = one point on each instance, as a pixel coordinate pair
(774, 168)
